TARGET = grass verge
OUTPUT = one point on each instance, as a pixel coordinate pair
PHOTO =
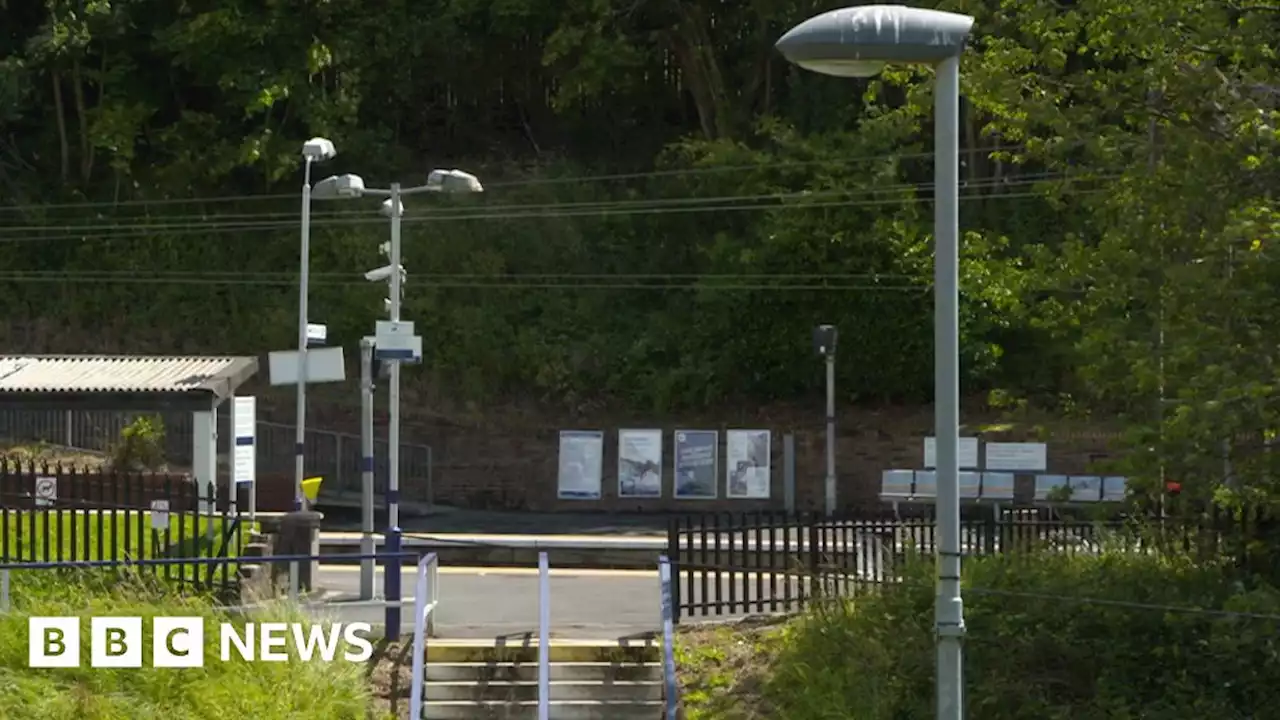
(339, 690)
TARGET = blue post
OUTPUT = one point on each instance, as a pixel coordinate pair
(391, 574)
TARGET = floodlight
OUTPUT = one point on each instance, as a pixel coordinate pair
(318, 149)
(453, 181)
(338, 186)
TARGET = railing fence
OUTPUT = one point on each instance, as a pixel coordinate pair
(726, 564)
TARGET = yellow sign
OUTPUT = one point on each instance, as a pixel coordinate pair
(311, 488)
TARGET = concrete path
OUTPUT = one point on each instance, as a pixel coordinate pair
(585, 604)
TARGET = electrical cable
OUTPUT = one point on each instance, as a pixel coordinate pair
(165, 221)
(217, 228)
(639, 175)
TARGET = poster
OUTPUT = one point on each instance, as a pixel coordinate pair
(696, 452)
(747, 464)
(581, 462)
(640, 463)
(967, 457)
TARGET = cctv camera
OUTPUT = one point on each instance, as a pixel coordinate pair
(386, 208)
(382, 273)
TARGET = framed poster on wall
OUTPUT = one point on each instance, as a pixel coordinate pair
(696, 453)
(640, 463)
(581, 464)
(746, 465)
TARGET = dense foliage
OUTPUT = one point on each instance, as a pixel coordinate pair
(1080, 638)
(670, 207)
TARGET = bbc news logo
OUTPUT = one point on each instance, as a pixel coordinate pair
(179, 642)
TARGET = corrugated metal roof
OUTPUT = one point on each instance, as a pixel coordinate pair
(118, 373)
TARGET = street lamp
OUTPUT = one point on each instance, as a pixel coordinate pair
(824, 343)
(859, 42)
(315, 150)
(400, 350)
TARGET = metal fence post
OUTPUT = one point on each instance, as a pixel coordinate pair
(789, 471)
(4, 591)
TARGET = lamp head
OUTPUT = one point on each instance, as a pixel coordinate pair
(318, 149)
(453, 181)
(338, 187)
(860, 41)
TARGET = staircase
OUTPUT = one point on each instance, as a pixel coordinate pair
(589, 681)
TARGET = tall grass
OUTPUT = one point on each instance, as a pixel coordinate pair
(218, 691)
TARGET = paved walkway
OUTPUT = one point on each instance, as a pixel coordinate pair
(585, 604)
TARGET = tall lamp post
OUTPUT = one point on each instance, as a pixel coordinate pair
(860, 42)
(315, 150)
(393, 345)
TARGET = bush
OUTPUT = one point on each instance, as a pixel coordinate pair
(141, 445)
(1037, 649)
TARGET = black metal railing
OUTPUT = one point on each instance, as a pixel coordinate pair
(733, 564)
(52, 514)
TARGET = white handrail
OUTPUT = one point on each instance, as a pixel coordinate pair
(544, 638)
(426, 597)
(672, 688)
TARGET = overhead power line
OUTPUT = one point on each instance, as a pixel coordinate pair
(581, 179)
(801, 201)
(317, 214)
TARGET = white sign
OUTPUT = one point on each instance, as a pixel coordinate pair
(968, 453)
(46, 491)
(394, 340)
(1017, 456)
(581, 464)
(640, 463)
(159, 514)
(323, 365)
(178, 642)
(244, 456)
(746, 467)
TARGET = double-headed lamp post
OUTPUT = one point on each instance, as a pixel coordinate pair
(859, 42)
(315, 150)
(438, 181)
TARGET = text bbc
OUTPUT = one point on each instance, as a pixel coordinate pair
(179, 642)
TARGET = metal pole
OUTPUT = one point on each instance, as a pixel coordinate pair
(303, 277)
(789, 472)
(544, 637)
(366, 469)
(393, 433)
(949, 609)
(831, 433)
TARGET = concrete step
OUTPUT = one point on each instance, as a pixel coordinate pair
(256, 550)
(575, 710)
(526, 653)
(516, 672)
(561, 691)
